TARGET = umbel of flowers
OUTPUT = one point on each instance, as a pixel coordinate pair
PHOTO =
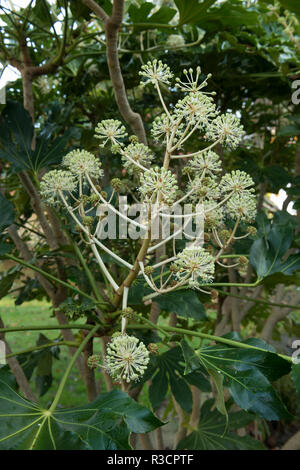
(223, 197)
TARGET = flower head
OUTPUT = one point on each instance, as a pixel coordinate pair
(81, 162)
(136, 152)
(110, 130)
(158, 183)
(163, 126)
(196, 108)
(196, 263)
(203, 189)
(155, 72)
(175, 40)
(208, 161)
(242, 205)
(213, 216)
(126, 358)
(57, 181)
(227, 129)
(192, 84)
(236, 181)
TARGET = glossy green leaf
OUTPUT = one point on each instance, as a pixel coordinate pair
(268, 250)
(210, 432)
(104, 424)
(167, 372)
(246, 373)
(184, 303)
(6, 283)
(190, 12)
(7, 213)
(295, 374)
(16, 133)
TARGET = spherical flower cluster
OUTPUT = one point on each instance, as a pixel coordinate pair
(213, 216)
(126, 358)
(196, 108)
(163, 127)
(175, 40)
(158, 185)
(57, 181)
(195, 262)
(203, 189)
(208, 161)
(242, 205)
(81, 162)
(227, 129)
(137, 152)
(236, 181)
(156, 71)
(110, 130)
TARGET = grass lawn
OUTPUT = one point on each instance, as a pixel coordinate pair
(40, 313)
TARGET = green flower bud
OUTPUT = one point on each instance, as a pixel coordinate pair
(93, 361)
(149, 270)
(87, 220)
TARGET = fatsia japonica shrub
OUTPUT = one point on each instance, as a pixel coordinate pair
(191, 214)
(207, 192)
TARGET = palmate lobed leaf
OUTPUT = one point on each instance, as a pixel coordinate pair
(16, 133)
(185, 303)
(274, 240)
(7, 214)
(167, 371)
(246, 374)
(210, 432)
(105, 423)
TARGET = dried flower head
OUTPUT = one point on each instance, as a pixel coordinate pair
(155, 72)
(158, 185)
(81, 162)
(56, 181)
(110, 130)
(126, 358)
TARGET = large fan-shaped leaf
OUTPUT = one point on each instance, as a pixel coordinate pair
(16, 134)
(246, 373)
(267, 251)
(7, 213)
(103, 424)
(209, 434)
(167, 371)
